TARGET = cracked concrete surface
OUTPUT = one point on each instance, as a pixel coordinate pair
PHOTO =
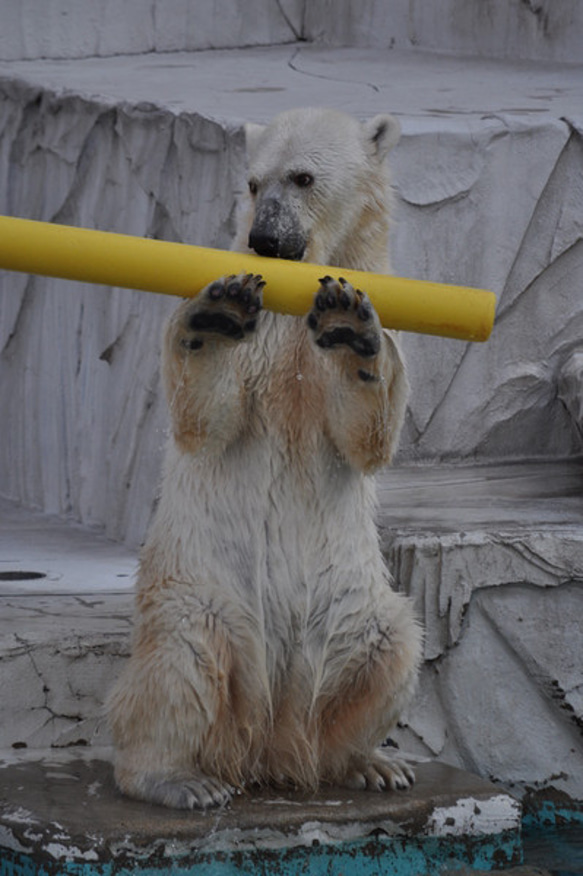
(65, 618)
(58, 654)
(73, 29)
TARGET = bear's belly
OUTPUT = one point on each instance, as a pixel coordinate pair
(286, 561)
(278, 536)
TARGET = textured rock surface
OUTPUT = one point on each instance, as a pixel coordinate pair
(82, 28)
(84, 416)
(58, 655)
(534, 29)
(541, 29)
(494, 559)
(570, 387)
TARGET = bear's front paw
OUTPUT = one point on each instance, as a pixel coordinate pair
(227, 307)
(344, 316)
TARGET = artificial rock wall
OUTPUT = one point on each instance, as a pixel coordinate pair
(500, 208)
(83, 417)
(548, 30)
(487, 200)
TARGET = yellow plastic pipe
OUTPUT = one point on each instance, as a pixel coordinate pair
(179, 269)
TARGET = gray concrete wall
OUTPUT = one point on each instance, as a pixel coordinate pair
(548, 30)
(529, 29)
(85, 28)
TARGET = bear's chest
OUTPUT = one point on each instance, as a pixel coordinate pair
(286, 381)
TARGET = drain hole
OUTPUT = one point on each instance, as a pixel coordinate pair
(21, 576)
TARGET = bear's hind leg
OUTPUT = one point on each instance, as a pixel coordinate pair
(366, 706)
(180, 725)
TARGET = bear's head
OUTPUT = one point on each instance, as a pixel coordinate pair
(318, 188)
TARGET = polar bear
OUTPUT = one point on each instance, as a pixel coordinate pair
(269, 646)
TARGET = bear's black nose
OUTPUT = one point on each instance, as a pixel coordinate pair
(271, 246)
(264, 244)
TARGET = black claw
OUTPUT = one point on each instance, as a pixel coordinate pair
(326, 279)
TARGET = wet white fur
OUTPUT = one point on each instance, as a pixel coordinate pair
(269, 645)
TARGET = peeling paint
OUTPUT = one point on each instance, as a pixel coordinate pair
(468, 816)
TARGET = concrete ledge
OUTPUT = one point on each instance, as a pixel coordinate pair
(493, 557)
(65, 815)
(66, 597)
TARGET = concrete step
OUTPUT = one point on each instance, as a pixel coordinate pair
(493, 556)
(62, 814)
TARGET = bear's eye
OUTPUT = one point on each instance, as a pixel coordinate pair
(253, 186)
(302, 180)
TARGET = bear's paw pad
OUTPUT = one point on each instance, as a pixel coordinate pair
(343, 316)
(227, 307)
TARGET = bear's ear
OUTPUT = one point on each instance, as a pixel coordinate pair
(252, 136)
(382, 133)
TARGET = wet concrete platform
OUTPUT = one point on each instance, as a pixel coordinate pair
(63, 814)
